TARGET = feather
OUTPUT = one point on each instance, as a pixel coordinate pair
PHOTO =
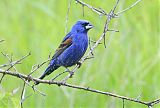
(62, 47)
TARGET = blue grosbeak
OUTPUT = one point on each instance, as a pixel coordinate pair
(71, 49)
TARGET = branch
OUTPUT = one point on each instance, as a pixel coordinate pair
(152, 103)
(59, 83)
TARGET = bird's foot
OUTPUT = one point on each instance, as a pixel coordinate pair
(71, 74)
(79, 64)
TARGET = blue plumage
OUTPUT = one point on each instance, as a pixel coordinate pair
(71, 49)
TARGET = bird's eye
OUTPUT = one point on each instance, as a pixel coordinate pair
(85, 24)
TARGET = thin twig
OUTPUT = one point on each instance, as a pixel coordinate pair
(2, 78)
(123, 103)
(69, 5)
(89, 58)
(83, 10)
(94, 41)
(59, 75)
(115, 6)
(90, 46)
(98, 11)
(36, 67)
(33, 87)
(23, 95)
(9, 64)
(113, 30)
(135, 3)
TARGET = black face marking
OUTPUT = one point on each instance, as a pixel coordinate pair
(85, 24)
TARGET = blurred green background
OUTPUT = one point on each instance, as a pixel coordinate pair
(129, 66)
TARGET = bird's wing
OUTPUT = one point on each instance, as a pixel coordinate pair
(62, 47)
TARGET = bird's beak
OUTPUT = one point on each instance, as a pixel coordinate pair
(89, 26)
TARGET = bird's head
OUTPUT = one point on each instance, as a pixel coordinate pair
(82, 26)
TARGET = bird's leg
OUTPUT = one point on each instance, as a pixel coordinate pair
(79, 64)
(67, 70)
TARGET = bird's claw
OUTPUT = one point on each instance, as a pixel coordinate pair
(79, 64)
(71, 74)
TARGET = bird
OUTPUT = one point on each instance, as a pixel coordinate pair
(71, 49)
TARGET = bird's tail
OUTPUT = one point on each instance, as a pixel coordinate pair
(48, 71)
